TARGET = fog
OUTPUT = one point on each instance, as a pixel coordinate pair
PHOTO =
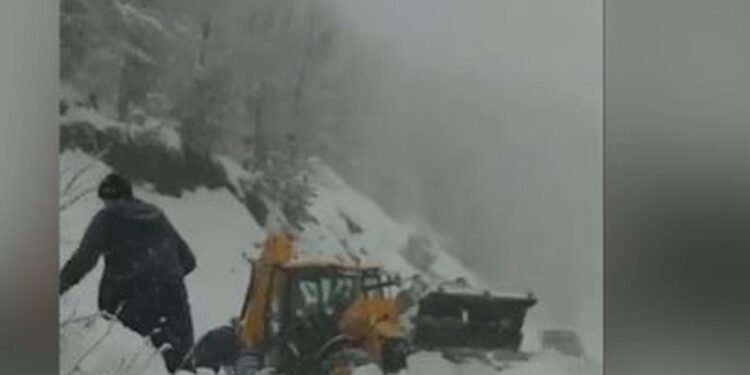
(484, 117)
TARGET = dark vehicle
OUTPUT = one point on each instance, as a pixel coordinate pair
(488, 321)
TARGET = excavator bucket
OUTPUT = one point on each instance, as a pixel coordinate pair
(462, 320)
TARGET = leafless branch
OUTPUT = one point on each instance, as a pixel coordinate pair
(82, 170)
(91, 349)
(65, 205)
(64, 172)
(77, 319)
(132, 360)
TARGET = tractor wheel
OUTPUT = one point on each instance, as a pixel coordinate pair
(249, 363)
(394, 354)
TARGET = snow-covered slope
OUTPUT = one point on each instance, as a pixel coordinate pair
(338, 205)
(79, 109)
(219, 229)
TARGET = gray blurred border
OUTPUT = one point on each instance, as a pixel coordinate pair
(677, 186)
(28, 186)
(677, 135)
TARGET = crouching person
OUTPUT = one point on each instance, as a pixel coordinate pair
(221, 349)
(145, 261)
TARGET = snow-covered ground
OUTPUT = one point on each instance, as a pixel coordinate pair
(546, 363)
(219, 230)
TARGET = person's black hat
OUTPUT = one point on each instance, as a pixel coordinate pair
(115, 187)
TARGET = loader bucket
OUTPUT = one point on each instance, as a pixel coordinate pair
(479, 321)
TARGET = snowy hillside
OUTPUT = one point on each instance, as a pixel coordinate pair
(235, 116)
(220, 230)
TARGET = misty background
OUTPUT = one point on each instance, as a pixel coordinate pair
(485, 117)
(480, 119)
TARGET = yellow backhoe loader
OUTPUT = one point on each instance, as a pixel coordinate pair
(309, 316)
(326, 315)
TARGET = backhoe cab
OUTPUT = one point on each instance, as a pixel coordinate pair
(316, 316)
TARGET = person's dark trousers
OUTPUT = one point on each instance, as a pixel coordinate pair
(176, 330)
(160, 311)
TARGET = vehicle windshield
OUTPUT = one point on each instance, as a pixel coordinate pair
(329, 291)
(320, 296)
(324, 291)
(378, 284)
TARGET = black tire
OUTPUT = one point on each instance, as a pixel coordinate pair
(248, 363)
(218, 348)
(394, 355)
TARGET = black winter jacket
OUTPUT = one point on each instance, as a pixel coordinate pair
(139, 246)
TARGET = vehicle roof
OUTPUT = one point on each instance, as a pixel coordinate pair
(326, 264)
(327, 261)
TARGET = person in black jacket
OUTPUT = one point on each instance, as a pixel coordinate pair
(145, 261)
